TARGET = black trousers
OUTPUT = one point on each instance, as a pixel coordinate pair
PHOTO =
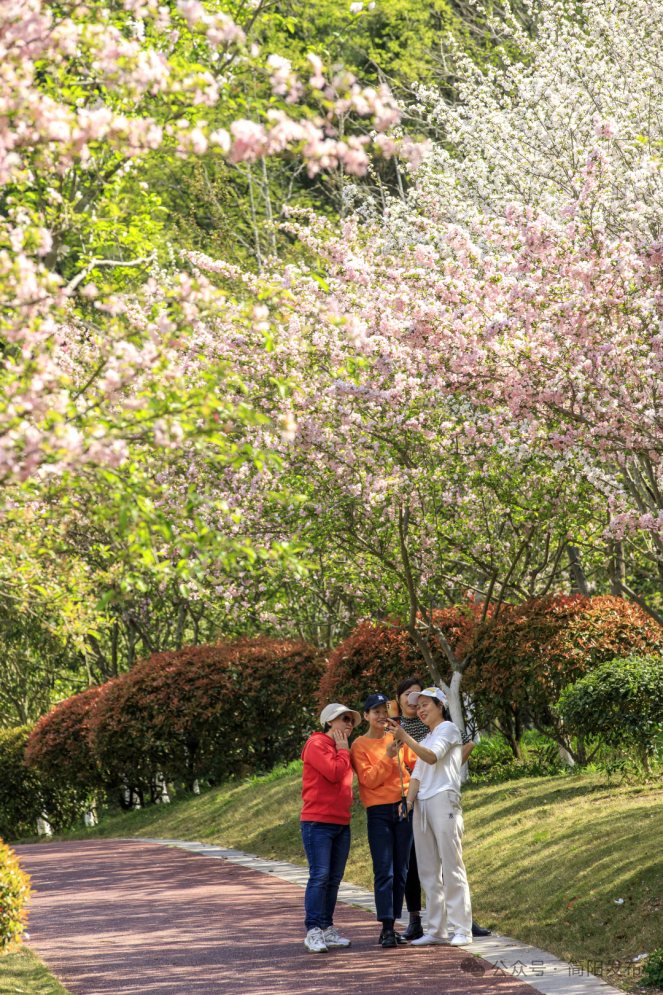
(412, 885)
(390, 842)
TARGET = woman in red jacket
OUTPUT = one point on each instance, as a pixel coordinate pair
(327, 795)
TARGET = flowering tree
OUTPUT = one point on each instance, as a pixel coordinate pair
(469, 381)
(121, 86)
(391, 473)
(108, 370)
(555, 172)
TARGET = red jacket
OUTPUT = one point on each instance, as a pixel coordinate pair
(327, 784)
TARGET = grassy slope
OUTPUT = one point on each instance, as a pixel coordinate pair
(22, 971)
(546, 857)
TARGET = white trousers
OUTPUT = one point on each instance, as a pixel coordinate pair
(438, 837)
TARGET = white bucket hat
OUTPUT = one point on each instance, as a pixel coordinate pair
(331, 712)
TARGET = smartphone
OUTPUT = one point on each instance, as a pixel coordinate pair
(392, 710)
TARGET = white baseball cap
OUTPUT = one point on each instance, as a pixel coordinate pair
(331, 712)
(428, 693)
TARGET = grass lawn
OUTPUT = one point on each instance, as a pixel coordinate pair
(546, 857)
(22, 971)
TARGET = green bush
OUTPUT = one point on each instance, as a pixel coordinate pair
(21, 801)
(652, 974)
(14, 895)
(620, 703)
(27, 793)
(492, 761)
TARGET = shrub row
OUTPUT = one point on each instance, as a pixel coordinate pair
(182, 716)
(211, 711)
(520, 662)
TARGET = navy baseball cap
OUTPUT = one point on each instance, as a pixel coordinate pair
(374, 700)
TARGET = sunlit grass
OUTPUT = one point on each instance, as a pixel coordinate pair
(22, 971)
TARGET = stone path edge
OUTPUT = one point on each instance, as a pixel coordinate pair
(537, 968)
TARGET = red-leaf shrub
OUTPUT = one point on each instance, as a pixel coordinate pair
(376, 656)
(203, 710)
(59, 746)
(524, 658)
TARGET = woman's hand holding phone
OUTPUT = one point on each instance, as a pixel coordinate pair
(395, 729)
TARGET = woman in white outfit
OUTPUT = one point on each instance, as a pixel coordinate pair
(438, 822)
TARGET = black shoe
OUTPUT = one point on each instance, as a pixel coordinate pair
(389, 938)
(414, 930)
(480, 930)
(399, 938)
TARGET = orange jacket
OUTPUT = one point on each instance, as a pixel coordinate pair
(379, 780)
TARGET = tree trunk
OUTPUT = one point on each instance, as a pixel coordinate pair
(617, 568)
(181, 618)
(512, 740)
(576, 567)
(581, 750)
(565, 755)
(455, 703)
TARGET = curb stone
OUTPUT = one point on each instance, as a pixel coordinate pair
(537, 968)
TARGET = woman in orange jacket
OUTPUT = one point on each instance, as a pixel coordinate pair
(383, 777)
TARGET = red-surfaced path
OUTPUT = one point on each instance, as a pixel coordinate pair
(127, 918)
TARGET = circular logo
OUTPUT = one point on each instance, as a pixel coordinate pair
(473, 966)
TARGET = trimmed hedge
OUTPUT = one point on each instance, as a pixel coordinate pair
(376, 656)
(59, 748)
(14, 895)
(203, 711)
(620, 702)
(532, 651)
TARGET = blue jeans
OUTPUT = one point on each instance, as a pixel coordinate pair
(390, 840)
(327, 846)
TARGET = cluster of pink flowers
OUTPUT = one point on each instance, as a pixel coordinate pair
(71, 394)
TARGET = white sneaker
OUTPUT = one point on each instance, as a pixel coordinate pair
(333, 938)
(427, 940)
(315, 941)
(460, 940)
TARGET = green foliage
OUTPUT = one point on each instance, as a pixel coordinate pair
(21, 803)
(621, 702)
(652, 974)
(26, 793)
(401, 40)
(492, 761)
(14, 895)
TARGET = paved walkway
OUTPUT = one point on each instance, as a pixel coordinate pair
(130, 918)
